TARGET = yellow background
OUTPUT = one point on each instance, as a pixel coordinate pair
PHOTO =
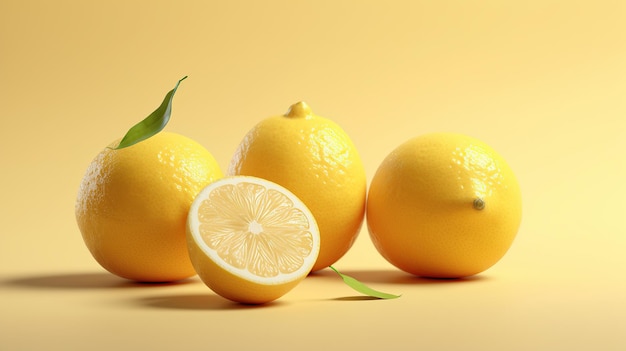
(543, 82)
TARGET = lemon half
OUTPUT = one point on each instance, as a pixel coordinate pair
(251, 240)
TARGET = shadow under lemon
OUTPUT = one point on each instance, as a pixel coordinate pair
(88, 280)
(205, 301)
(105, 280)
(395, 276)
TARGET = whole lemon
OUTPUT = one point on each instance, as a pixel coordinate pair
(132, 206)
(315, 159)
(443, 205)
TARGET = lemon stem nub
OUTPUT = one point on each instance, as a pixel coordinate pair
(479, 204)
(299, 110)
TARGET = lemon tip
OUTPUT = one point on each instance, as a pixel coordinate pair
(300, 109)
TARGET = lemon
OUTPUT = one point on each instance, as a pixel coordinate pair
(251, 240)
(132, 206)
(315, 159)
(443, 205)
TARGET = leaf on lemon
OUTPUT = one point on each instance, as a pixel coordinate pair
(362, 288)
(152, 124)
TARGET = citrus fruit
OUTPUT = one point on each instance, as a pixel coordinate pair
(443, 205)
(132, 206)
(251, 240)
(315, 159)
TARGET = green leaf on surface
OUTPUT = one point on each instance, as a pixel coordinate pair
(362, 288)
(152, 124)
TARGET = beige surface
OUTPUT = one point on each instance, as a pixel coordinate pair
(543, 82)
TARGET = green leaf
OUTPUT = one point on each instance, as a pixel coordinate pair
(152, 124)
(362, 288)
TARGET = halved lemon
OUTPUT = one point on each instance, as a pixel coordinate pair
(251, 240)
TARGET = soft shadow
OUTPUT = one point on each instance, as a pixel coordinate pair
(70, 281)
(200, 302)
(393, 276)
(355, 298)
